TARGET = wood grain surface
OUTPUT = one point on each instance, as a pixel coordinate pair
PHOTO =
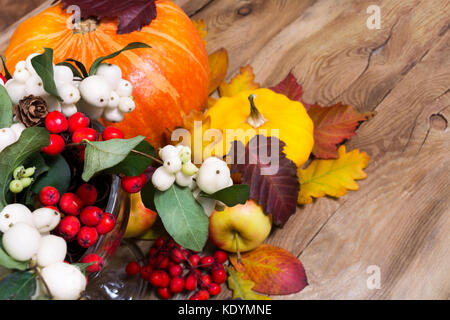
(399, 220)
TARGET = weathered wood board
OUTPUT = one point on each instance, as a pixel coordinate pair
(399, 220)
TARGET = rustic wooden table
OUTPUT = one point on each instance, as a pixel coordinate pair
(399, 221)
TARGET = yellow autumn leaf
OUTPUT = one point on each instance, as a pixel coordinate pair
(332, 177)
(245, 80)
(200, 25)
(218, 64)
(242, 289)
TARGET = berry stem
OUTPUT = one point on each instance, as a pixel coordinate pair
(147, 156)
(237, 249)
(43, 281)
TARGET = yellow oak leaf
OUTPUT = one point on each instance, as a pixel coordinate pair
(245, 80)
(242, 289)
(332, 177)
(218, 64)
(200, 25)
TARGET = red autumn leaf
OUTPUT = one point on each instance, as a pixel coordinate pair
(291, 89)
(275, 191)
(132, 14)
(333, 125)
(273, 270)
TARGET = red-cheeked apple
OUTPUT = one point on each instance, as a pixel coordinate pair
(141, 218)
(240, 228)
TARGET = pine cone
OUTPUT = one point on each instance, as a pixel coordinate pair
(31, 111)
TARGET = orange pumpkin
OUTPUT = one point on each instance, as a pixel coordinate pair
(169, 80)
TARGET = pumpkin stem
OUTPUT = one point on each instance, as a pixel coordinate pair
(256, 119)
(85, 26)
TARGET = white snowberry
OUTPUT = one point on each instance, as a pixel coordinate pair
(69, 110)
(35, 86)
(214, 175)
(173, 165)
(16, 90)
(21, 75)
(18, 128)
(96, 91)
(62, 75)
(168, 152)
(64, 281)
(45, 219)
(207, 204)
(89, 110)
(112, 74)
(52, 249)
(15, 213)
(162, 180)
(21, 241)
(21, 65)
(53, 103)
(126, 105)
(125, 88)
(183, 180)
(30, 67)
(114, 100)
(7, 138)
(69, 93)
(113, 115)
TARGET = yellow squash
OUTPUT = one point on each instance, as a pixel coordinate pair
(262, 111)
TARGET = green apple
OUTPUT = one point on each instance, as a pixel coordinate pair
(240, 228)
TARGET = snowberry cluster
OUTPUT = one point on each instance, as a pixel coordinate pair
(213, 175)
(27, 82)
(106, 94)
(172, 269)
(83, 221)
(10, 135)
(26, 238)
(177, 168)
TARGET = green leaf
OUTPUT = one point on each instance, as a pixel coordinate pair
(107, 154)
(8, 262)
(5, 69)
(98, 62)
(75, 71)
(20, 285)
(231, 196)
(80, 66)
(58, 176)
(6, 109)
(148, 196)
(43, 64)
(31, 141)
(134, 164)
(183, 217)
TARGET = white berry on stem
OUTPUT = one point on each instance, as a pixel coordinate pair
(15, 213)
(114, 100)
(62, 75)
(7, 138)
(125, 88)
(16, 90)
(21, 241)
(111, 72)
(113, 115)
(35, 86)
(162, 179)
(183, 180)
(64, 281)
(21, 75)
(126, 105)
(45, 219)
(69, 93)
(173, 165)
(52, 249)
(96, 91)
(69, 110)
(168, 152)
(17, 128)
(214, 175)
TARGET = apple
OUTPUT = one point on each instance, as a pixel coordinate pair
(141, 218)
(240, 228)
